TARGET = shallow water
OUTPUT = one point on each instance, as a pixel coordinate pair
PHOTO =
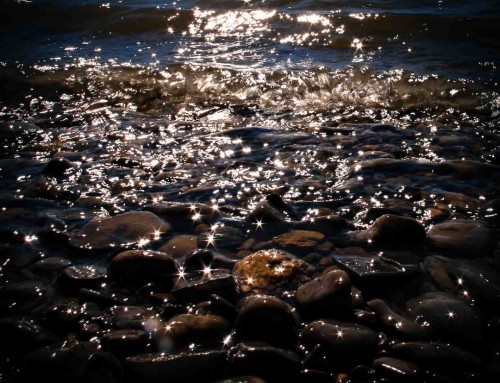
(350, 106)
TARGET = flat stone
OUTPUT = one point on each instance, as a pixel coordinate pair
(120, 230)
(123, 343)
(298, 240)
(196, 287)
(268, 270)
(397, 369)
(328, 290)
(88, 276)
(461, 238)
(180, 246)
(138, 267)
(51, 264)
(395, 230)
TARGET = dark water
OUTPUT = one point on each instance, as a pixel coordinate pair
(343, 105)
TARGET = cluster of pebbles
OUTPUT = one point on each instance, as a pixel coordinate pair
(291, 291)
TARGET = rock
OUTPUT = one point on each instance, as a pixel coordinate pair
(199, 286)
(461, 238)
(437, 271)
(437, 356)
(183, 216)
(267, 319)
(397, 369)
(179, 368)
(271, 270)
(185, 329)
(298, 241)
(272, 209)
(198, 261)
(23, 336)
(394, 230)
(491, 210)
(344, 344)
(123, 343)
(226, 237)
(449, 319)
(271, 363)
(332, 289)
(51, 265)
(180, 246)
(120, 230)
(87, 276)
(25, 290)
(63, 316)
(57, 167)
(132, 317)
(138, 267)
(374, 213)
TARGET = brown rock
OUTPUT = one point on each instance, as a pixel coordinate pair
(330, 289)
(180, 246)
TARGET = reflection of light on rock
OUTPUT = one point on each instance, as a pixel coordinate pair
(30, 238)
(451, 314)
(340, 334)
(357, 44)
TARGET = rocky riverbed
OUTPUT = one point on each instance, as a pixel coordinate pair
(328, 255)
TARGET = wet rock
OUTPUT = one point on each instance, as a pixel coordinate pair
(438, 273)
(23, 336)
(198, 261)
(103, 367)
(397, 369)
(398, 324)
(394, 230)
(184, 329)
(51, 265)
(120, 230)
(138, 267)
(218, 306)
(57, 167)
(376, 212)
(184, 216)
(180, 246)
(87, 276)
(199, 286)
(63, 316)
(132, 317)
(267, 319)
(449, 319)
(272, 209)
(437, 356)
(271, 270)
(123, 343)
(491, 210)
(270, 363)
(179, 368)
(461, 238)
(25, 290)
(102, 298)
(326, 224)
(344, 344)
(51, 188)
(332, 289)
(298, 241)
(227, 237)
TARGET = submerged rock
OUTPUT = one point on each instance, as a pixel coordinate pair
(298, 241)
(120, 230)
(200, 286)
(329, 290)
(268, 270)
(180, 246)
(395, 230)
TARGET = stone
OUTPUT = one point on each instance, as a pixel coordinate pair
(23, 336)
(179, 368)
(226, 237)
(298, 241)
(51, 265)
(395, 230)
(180, 246)
(271, 270)
(268, 319)
(326, 291)
(24, 290)
(397, 369)
(121, 230)
(63, 316)
(272, 209)
(123, 343)
(461, 238)
(57, 167)
(87, 276)
(132, 317)
(198, 261)
(138, 267)
(199, 286)
(184, 216)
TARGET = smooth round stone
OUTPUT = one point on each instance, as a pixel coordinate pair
(180, 246)
(326, 224)
(51, 265)
(226, 237)
(270, 363)
(328, 290)
(376, 212)
(120, 230)
(344, 344)
(132, 317)
(22, 290)
(436, 268)
(138, 267)
(63, 316)
(78, 276)
(298, 241)
(461, 238)
(267, 319)
(177, 368)
(123, 343)
(57, 167)
(397, 369)
(437, 356)
(182, 216)
(271, 270)
(198, 260)
(395, 230)
(199, 286)
(184, 329)
(449, 319)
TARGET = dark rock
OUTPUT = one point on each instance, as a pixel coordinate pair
(226, 237)
(23, 336)
(102, 298)
(120, 230)
(138, 267)
(123, 343)
(63, 316)
(270, 363)
(374, 213)
(298, 241)
(180, 246)
(394, 230)
(103, 367)
(183, 216)
(332, 289)
(199, 286)
(132, 317)
(436, 268)
(344, 344)
(25, 290)
(86, 276)
(198, 261)
(178, 368)
(57, 167)
(271, 270)
(461, 238)
(397, 369)
(51, 265)
(267, 319)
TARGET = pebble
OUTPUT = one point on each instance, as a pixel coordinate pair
(267, 319)
(138, 267)
(271, 270)
(123, 343)
(121, 230)
(57, 167)
(397, 369)
(87, 276)
(395, 230)
(298, 242)
(132, 317)
(51, 265)
(180, 246)
(199, 286)
(198, 260)
(461, 238)
(332, 289)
